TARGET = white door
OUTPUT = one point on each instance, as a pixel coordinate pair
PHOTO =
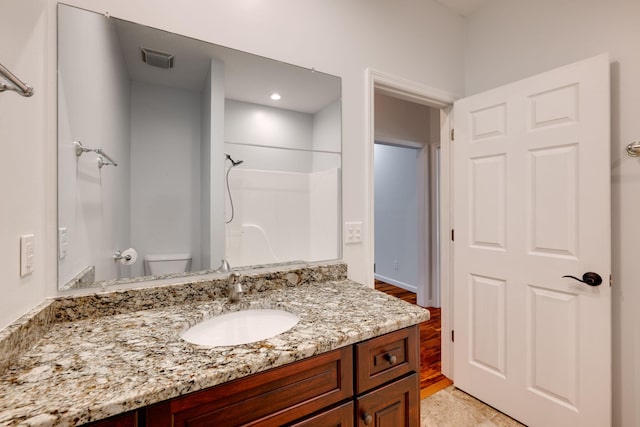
(531, 204)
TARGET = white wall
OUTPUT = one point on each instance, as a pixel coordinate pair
(217, 162)
(212, 229)
(93, 203)
(510, 40)
(422, 42)
(324, 214)
(246, 123)
(396, 215)
(206, 236)
(327, 129)
(166, 128)
(327, 136)
(24, 171)
(268, 126)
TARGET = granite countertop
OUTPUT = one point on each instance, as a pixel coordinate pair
(85, 369)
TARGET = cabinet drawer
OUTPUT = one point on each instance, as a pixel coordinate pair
(393, 405)
(385, 358)
(342, 416)
(274, 397)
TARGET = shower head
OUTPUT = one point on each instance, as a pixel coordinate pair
(233, 162)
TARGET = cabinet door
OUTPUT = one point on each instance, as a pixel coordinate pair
(393, 405)
(342, 416)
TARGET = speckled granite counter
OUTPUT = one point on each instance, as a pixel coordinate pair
(84, 369)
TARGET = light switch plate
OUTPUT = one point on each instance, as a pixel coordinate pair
(62, 242)
(353, 232)
(27, 243)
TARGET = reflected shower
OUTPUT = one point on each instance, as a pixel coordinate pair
(233, 164)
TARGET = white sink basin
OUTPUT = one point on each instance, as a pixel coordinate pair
(240, 327)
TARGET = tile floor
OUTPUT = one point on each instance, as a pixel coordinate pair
(454, 408)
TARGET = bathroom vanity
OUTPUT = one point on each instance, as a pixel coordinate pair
(117, 359)
(374, 383)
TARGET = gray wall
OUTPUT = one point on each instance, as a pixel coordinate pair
(165, 172)
(93, 203)
(396, 215)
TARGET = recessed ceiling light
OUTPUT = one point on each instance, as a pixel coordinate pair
(275, 96)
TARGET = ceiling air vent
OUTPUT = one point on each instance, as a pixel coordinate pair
(156, 58)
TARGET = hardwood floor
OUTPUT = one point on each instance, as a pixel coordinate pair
(431, 378)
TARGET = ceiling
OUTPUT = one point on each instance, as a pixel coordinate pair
(248, 78)
(464, 7)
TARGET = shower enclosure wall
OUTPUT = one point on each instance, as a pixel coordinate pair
(286, 191)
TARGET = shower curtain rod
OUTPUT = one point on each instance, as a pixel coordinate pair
(18, 85)
(247, 144)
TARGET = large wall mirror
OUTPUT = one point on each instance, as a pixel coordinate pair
(173, 156)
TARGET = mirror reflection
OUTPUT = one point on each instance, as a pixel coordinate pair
(176, 154)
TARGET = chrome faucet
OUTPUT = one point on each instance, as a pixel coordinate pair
(234, 287)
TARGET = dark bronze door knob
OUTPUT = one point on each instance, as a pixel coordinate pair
(590, 278)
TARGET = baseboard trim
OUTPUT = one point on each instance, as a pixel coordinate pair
(405, 286)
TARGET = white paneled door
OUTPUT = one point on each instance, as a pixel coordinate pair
(531, 204)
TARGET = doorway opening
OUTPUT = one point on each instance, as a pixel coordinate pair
(406, 152)
(408, 208)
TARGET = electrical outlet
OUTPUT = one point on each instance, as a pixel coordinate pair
(27, 243)
(62, 242)
(395, 265)
(353, 232)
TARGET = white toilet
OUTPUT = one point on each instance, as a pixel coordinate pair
(160, 265)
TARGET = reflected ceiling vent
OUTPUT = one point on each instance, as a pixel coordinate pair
(156, 58)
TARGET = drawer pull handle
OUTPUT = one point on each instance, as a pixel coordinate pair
(367, 418)
(391, 358)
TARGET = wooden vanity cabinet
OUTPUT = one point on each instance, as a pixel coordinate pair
(128, 419)
(387, 384)
(275, 397)
(341, 416)
(372, 383)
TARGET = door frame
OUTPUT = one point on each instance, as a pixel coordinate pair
(418, 93)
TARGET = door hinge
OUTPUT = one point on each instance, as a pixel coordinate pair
(453, 237)
(610, 281)
(453, 134)
(453, 336)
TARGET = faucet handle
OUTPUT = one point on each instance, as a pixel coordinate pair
(224, 266)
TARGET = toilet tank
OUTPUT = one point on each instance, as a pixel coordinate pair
(162, 264)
